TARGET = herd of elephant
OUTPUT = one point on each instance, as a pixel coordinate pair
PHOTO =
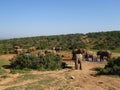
(94, 56)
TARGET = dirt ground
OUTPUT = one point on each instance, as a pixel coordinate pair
(65, 79)
(7, 56)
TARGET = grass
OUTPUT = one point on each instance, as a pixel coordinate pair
(2, 71)
(94, 50)
(15, 71)
(116, 50)
(37, 82)
(4, 76)
(46, 82)
(4, 62)
(25, 77)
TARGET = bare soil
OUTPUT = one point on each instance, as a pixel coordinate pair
(65, 79)
(7, 56)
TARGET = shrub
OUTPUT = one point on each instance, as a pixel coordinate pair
(22, 61)
(52, 62)
(112, 68)
(39, 62)
(101, 71)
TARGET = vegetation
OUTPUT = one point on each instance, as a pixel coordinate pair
(112, 68)
(99, 40)
(117, 50)
(4, 62)
(40, 62)
(2, 71)
(40, 82)
(105, 40)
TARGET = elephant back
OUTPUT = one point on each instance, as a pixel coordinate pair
(106, 53)
(99, 52)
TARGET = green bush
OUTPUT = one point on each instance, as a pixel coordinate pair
(38, 62)
(112, 68)
(52, 62)
(101, 71)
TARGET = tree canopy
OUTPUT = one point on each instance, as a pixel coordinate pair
(97, 40)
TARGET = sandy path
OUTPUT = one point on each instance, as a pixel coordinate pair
(86, 79)
(7, 56)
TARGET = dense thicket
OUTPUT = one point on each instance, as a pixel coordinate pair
(48, 62)
(99, 40)
(105, 40)
(112, 68)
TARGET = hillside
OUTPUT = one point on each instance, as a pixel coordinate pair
(105, 40)
(97, 40)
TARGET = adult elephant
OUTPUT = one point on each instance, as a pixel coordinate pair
(104, 54)
(75, 51)
(78, 57)
(90, 54)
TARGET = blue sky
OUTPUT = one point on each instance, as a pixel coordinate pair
(22, 18)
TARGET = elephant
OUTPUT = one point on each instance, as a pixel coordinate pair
(32, 49)
(19, 51)
(77, 57)
(74, 54)
(50, 51)
(57, 49)
(75, 51)
(90, 54)
(104, 54)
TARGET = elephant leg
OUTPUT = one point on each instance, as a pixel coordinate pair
(76, 64)
(108, 58)
(92, 59)
(80, 65)
(87, 58)
(96, 59)
(100, 58)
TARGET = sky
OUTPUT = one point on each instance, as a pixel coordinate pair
(26, 18)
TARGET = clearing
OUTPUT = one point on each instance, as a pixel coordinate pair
(65, 79)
